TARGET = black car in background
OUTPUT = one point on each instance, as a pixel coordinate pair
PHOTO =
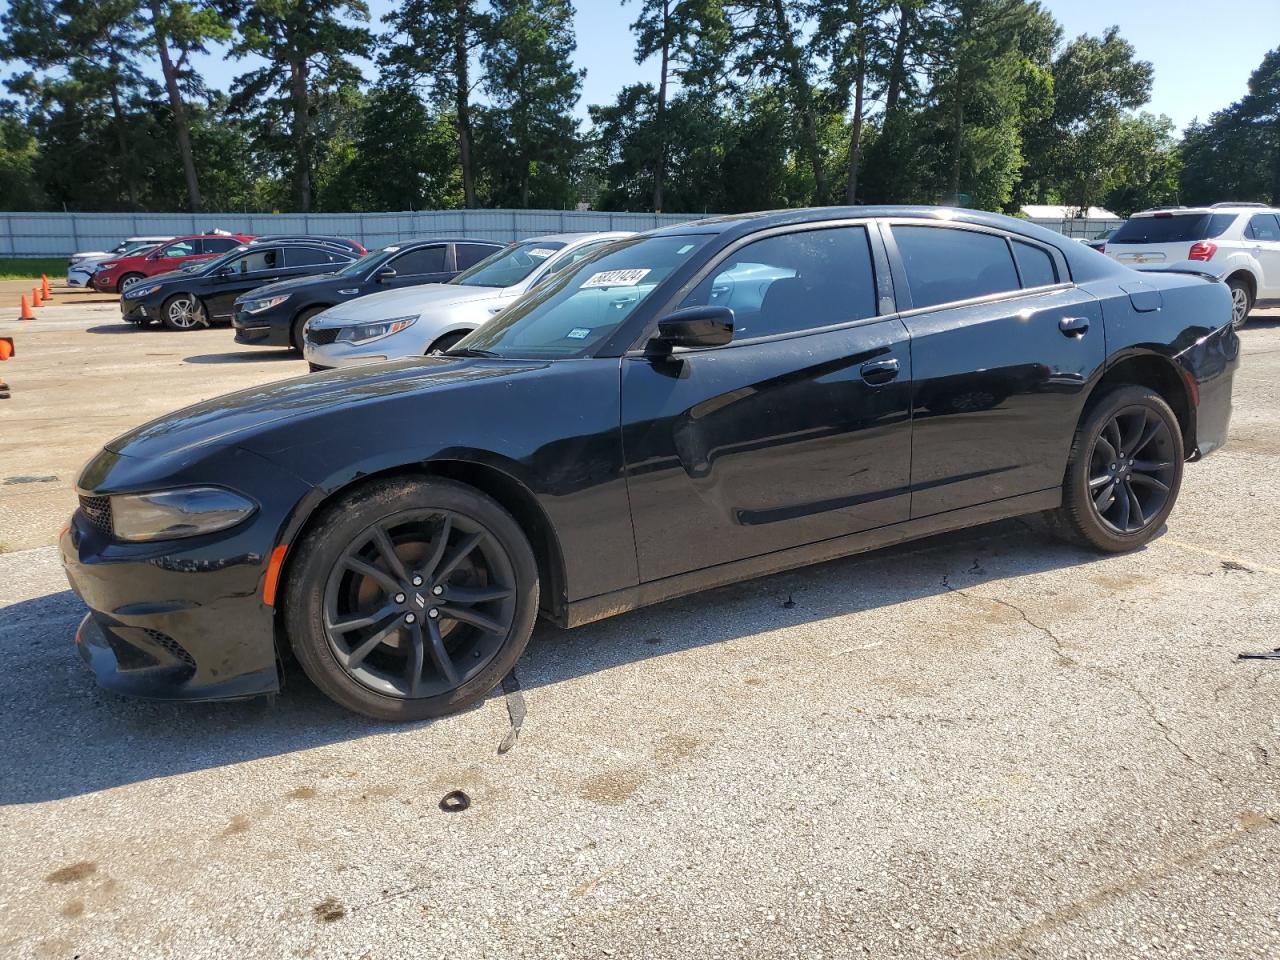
(182, 300)
(274, 316)
(342, 243)
(684, 409)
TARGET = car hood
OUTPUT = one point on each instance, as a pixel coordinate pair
(402, 302)
(238, 416)
(290, 285)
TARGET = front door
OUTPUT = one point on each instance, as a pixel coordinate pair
(798, 431)
(255, 268)
(429, 264)
(1001, 375)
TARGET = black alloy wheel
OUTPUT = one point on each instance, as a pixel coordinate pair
(411, 598)
(1124, 471)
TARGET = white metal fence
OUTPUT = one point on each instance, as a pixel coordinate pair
(60, 234)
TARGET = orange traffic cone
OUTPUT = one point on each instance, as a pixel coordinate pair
(26, 310)
(35, 297)
(44, 286)
(6, 348)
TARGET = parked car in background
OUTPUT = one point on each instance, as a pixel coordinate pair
(274, 315)
(120, 273)
(418, 320)
(343, 243)
(81, 266)
(186, 298)
(1239, 242)
(1099, 241)
(631, 431)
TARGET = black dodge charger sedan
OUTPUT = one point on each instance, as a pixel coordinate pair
(702, 404)
(186, 299)
(275, 315)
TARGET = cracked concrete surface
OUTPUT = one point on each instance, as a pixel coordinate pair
(984, 745)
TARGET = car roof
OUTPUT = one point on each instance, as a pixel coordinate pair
(1200, 211)
(417, 240)
(570, 238)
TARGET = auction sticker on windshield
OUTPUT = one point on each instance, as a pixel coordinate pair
(541, 253)
(615, 278)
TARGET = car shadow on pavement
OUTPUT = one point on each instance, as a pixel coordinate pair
(121, 327)
(62, 736)
(257, 356)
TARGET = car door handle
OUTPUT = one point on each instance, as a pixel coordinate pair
(1074, 327)
(877, 372)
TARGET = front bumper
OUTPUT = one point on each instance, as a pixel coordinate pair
(136, 311)
(264, 329)
(79, 278)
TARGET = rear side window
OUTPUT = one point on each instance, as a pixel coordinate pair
(311, 256)
(183, 248)
(469, 254)
(793, 282)
(1035, 265)
(422, 260)
(219, 244)
(1173, 228)
(1263, 226)
(945, 264)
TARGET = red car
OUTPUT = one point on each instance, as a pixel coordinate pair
(113, 276)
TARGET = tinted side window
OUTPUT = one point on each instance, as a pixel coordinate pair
(1263, 226)
(794, 282)
(944, 265)
(469, 254)
(183, 248)
(422, 260)
(257, 260)
(219, 244)
(1035, 265)
(310, 256)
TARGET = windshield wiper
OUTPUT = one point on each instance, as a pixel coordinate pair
(469, 352)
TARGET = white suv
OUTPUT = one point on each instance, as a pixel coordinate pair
(1241, 240)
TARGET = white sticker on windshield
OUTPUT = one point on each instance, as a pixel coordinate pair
(616, 278)
(578, 333)
(541, 253)
(685, 249)
(390, 249)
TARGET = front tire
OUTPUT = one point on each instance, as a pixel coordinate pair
(411, 598)
(446, 342)
(299, 323)
(1124, 471)
(183, 312)
(1241, 301)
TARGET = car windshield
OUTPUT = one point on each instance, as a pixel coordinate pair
(510, 265)
(569, 315)
(1172, 228)
(364, 263)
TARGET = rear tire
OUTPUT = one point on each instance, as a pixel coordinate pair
(128, 280)
(1123, 473)
(393, 659)
(1241, 301)
(299, 322)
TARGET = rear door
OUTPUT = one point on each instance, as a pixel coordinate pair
(797, 431)
(425, 264)
(1263, 238)
(254, 268)
(1003, 347)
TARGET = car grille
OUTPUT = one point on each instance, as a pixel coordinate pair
(323, 336)
(172, 646)
(97, 510)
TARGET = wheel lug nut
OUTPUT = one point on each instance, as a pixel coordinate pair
(410, 618)
(433, 613)
(417, 581)
(399, 598)
(437, 590)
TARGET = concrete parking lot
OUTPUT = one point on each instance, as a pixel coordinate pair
(982, 745)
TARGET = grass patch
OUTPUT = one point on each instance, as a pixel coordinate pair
(14, 268)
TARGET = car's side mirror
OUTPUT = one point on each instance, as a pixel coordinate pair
(385, 274)
(696, 327)
(224, 272)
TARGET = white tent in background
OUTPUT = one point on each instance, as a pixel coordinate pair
(1053, 211)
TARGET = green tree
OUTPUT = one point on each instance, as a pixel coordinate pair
(431, 44)
(532, 85)
(308, 46)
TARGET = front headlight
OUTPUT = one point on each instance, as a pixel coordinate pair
(365, 332)
(138, 290)
(182, 512)
(257, 306)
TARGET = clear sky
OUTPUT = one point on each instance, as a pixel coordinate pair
(1202, 55)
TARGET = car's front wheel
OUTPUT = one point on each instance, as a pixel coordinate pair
(446, 342)
(300, 325)
(411, 598)
(1124, 471)
(182, 312)
(1241, 301)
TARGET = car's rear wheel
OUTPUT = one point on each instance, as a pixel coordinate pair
(1241, 301)
(182, 312)
(299, 323)
(128, 280)
(411, 598)
(1124, 471)
(447, 341)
